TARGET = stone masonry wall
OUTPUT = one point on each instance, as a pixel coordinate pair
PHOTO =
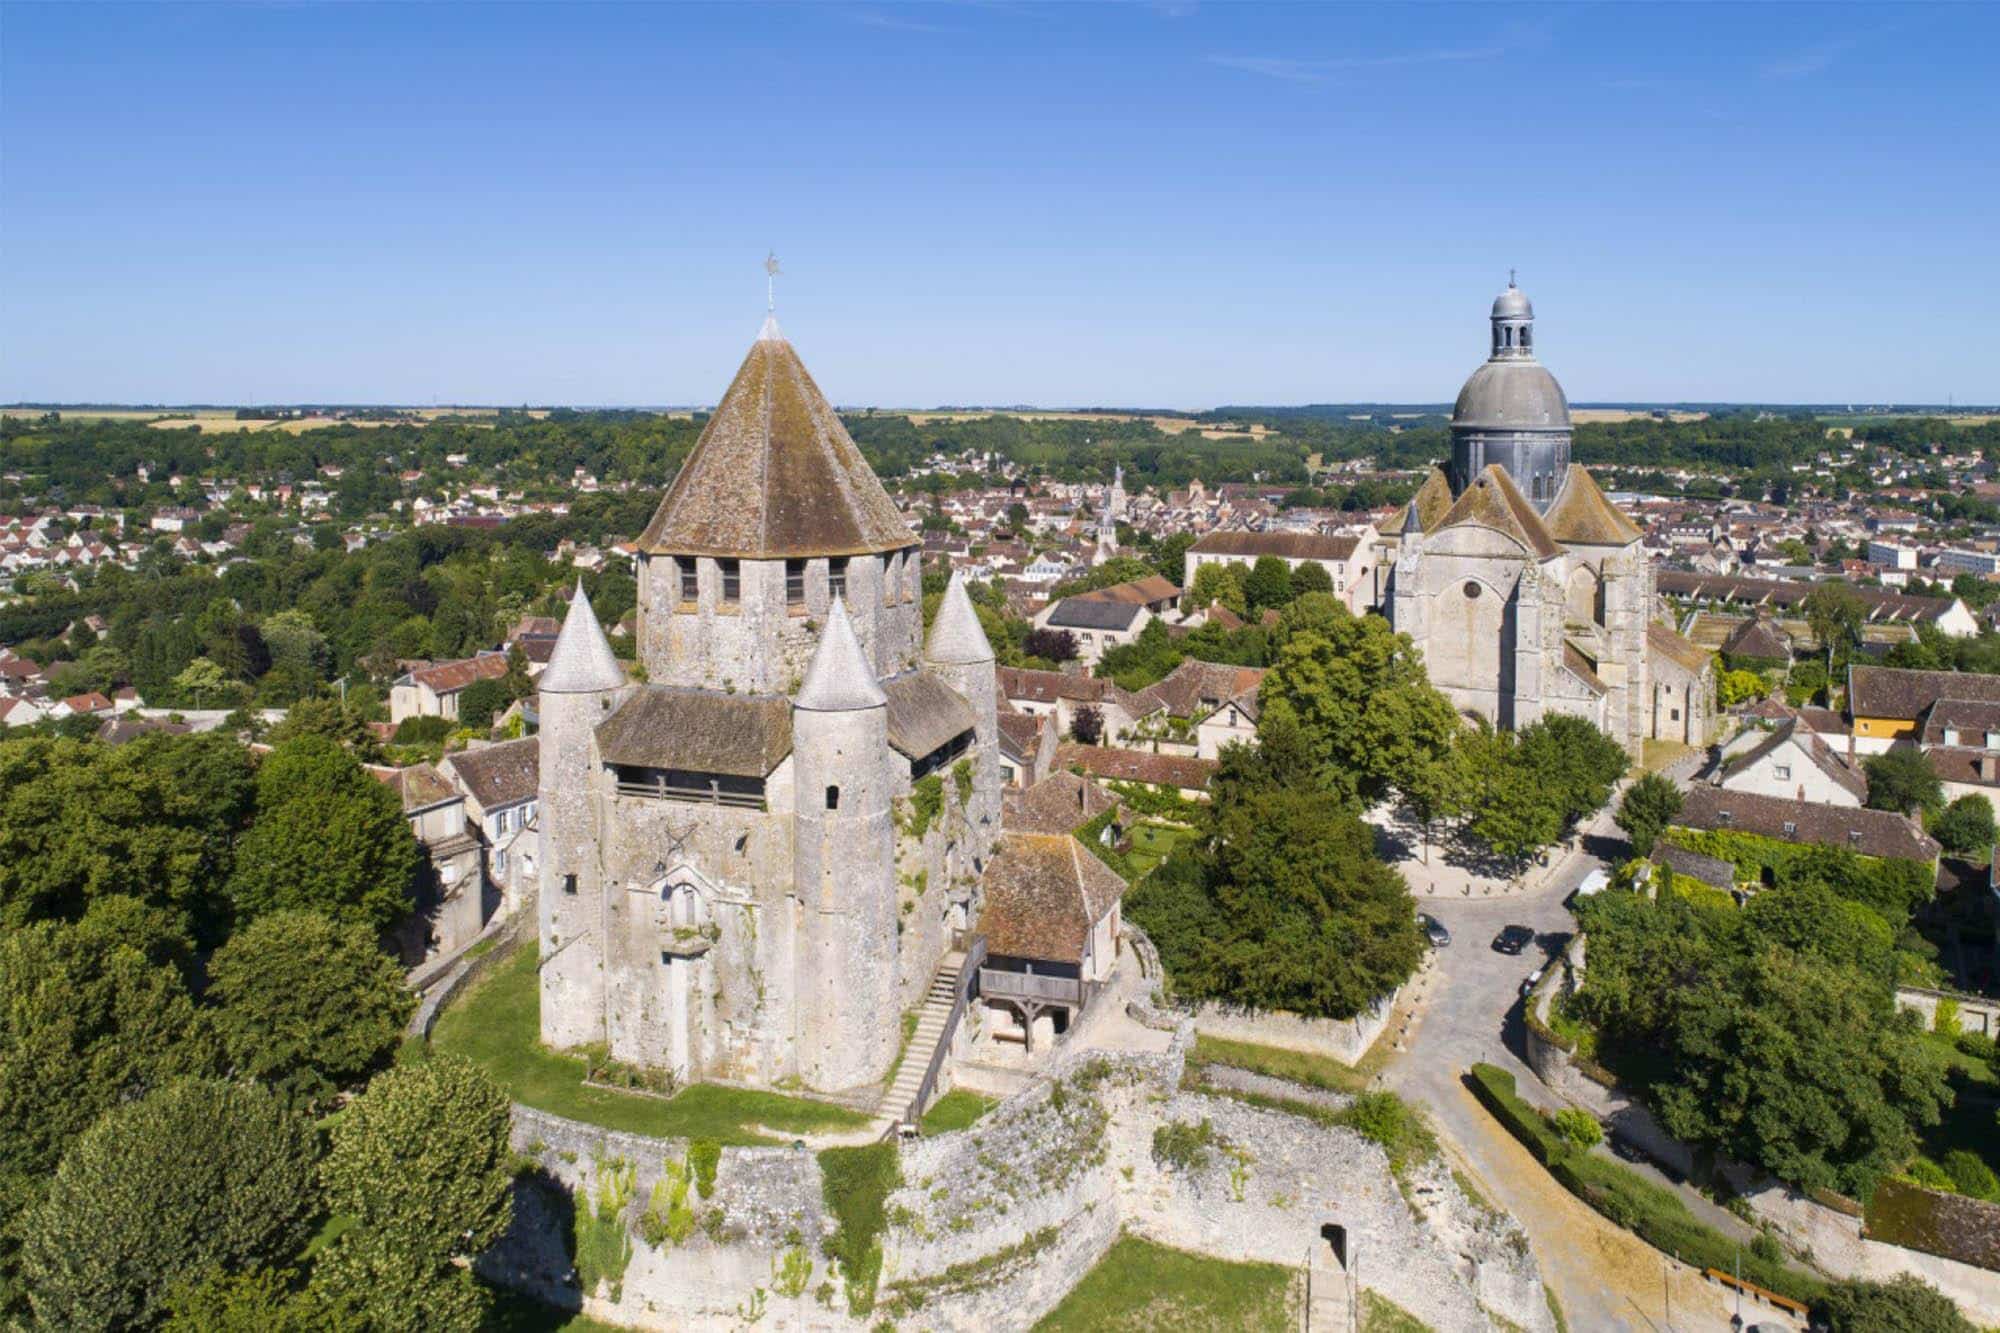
(993, 1225)
(1345, 1039)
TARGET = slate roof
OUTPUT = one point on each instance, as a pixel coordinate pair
(1582, 516)
(775, 474)
(1901, 693)
(1432, 501)
(1044, 892)
(1057, 804)
(499, 775)
(1493, 501)
(119, 730)
(1710, 870)
(1161, 770)
(1091, 613)
(924, 713)
(1284, 545)
(1880, 833)
(701, 731)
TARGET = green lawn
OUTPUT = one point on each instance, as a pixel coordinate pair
(496, 1025)
(1316, 1071)
(1143, 1287)
(955, 1110)
(1151, 844)
(1379, 1314)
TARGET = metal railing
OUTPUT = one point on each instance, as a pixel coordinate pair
(968, 971)
(712, 794)
(1001, 984)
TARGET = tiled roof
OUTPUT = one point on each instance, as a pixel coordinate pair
(497, 775)
(1816, 751)
(924, 713)
(1758, 637)
(451, 677)
(775, 474)
(701, 731)
(1581, 515)
(1161, 770)
(422, 786)
(1493, 501)
(1880, 604)
(1284, 545)
(1057, 804)
(1136, 592)
(1044, 892)
(1663, 642)
(1185, 688)
(1021, 733)
(1579, 666)
(1871, 832)
(1963, 764)
(1900, 693)
(1962, 715)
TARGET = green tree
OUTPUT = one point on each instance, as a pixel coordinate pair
(327, 838)
(1311, 577)
(1357, 692)
(1572, 761)
(203, 680)
(326, 717)
(195, 1176)
(262, 1300)
(1216, 582)
(1736, 687)
(420, 1161)
(1269, 583)
(87, 1020)
(1907, 1304)
(479, 701)
(306, 1005)
(1835, 613)
(1966, 826)
(1650, 805)
(1903, 781)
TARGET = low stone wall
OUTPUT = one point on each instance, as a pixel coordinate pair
(466, 971)
(1975, 1013)
(1831, 1237)
(1345, 1039)
(993, 1225)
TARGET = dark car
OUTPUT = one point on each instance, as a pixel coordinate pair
(1513, 939)
(1434, 930)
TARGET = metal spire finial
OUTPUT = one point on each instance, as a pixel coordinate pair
(771, 272)
(1510, 277)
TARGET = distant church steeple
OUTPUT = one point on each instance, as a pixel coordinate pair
(1511, 411)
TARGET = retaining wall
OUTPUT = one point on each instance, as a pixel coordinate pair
(1345, 1039)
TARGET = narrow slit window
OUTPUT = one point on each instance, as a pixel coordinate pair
(795, 583)
(690, 574)
(833, 798)
(732, 580)
(569, 883)
(836, 577)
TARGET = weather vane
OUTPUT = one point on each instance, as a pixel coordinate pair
(771, 272)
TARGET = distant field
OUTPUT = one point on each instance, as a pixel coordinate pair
(1581, 414)
(1166, 425)
(216, 421)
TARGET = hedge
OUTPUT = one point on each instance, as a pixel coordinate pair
(1893, 887)
(1951, 1225)
(1628, 1199)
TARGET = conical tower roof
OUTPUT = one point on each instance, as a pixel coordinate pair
(1431, 502)
(775, 475)
(582, 662)
(957, 637)
(839, 679)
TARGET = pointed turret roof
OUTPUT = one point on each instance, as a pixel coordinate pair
(957, 637)
(582, 661)
(1493, 501)
(1431, 503)
(839, 679)
(775, 474)
(1582, 515)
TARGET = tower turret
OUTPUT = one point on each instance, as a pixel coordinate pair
(576, 691)
(960, 655)
(1512, 411)
(844, 866)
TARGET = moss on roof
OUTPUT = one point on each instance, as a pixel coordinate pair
(1493, 501)
(1433, 501)
(1582, 516)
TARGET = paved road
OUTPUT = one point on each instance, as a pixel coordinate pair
(1605, 1277)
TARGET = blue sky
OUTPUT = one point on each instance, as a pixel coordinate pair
(1176, 205)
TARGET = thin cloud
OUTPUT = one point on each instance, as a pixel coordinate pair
(1811, 60)
(1312, 71)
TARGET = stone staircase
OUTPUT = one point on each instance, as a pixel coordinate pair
(931, 1021)
(1329, 1294)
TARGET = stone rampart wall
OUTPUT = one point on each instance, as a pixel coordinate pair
(1345, 1039)
(1975, 1013)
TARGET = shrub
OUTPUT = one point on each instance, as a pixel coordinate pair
(200, 1175)
(669, 1217)
(705, 1155)
(926, 803)
(1945, 1022)
(1387, 1120)
(603, 1246)
(1578, 1126)
(1906, 1305)
(423, 730)
(1183, 1145)
(1928, 1174)
(1971, 1176)
(856, 1183)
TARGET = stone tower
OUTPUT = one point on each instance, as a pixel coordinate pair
(960, 655)
(1512, 411)
(578, 688)
(844, 839)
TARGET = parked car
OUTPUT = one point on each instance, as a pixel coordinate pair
(1434, 930)
(1533, 980)
(1513, 939)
